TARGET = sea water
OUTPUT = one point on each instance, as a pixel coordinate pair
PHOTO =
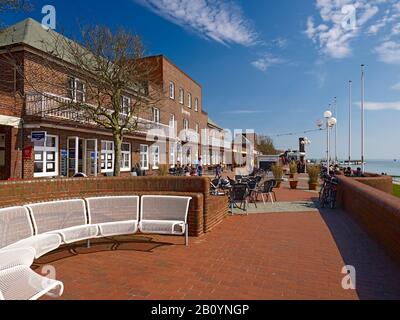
(389, 167)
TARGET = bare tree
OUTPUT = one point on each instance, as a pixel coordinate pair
(12, 5)
(265, 145)
(116, 84)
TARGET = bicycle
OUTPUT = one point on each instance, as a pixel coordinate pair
(327, 196)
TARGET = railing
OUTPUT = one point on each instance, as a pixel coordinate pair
(48, 105)
(220, 143)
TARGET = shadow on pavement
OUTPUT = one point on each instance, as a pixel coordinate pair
(377, 275)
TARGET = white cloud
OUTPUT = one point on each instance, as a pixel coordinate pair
(389, 52)
(265, 62)
(340, 24)
(396, 87)
(378, 106)
(221, 21)
(281, 43)
(245, 111)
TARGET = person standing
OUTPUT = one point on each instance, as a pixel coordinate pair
(200, 168)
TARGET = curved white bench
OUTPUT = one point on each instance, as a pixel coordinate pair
(16, 231)
(66, 218)
(19, 282)
(165, 215)
(30, 232)
(114, 215)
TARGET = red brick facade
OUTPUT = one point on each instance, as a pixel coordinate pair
(35, 66)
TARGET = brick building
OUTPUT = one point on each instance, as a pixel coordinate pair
(67, 145)
(219, 147)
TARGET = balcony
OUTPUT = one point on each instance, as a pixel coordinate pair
(50, 106)
(220, 143)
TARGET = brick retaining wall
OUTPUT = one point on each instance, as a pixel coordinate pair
(376, 211)
(383, 183)
(205, 211)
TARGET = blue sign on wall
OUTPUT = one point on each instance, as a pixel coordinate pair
(38, 136)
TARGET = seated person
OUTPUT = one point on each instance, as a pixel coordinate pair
(348, 172)
(359, 173)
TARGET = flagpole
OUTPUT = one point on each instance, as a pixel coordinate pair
(362, 117)
(350, 105)
(336, 132)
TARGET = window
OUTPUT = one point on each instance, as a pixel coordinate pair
(46, 157)
(181, 96)
(2, 150)
(196, 105)
(189, 100)
(172, 121)
(144, 157)
(126, 157)
(107, 156)
(77, 90)
(172, 90)
(156, 157)
(197, 128)
(172, 152)
(156, 115)
(185, 124)
(125, 105)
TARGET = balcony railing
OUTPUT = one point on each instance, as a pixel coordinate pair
(48, 105)
(220, 143)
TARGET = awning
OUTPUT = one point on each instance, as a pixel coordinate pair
(10, 121)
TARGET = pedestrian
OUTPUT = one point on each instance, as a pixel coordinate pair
(200, 168)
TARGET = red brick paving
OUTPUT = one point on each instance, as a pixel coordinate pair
(263, 256)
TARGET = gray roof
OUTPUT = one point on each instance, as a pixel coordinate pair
(29, 32)
(213, 124)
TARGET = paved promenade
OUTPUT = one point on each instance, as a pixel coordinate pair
(296, 252)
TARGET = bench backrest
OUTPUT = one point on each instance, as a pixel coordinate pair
(56, 215)
(112, 209)
(164, 208)
(15, 225)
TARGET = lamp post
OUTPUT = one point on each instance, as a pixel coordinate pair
(350, 105)
(330, 123)
(336, 127)
(362, 117)
(305, 143)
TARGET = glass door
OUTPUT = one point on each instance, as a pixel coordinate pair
(75, 156)
(3, 168)
(91, 157)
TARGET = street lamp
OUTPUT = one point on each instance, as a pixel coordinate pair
(330, 123)
(305, 142)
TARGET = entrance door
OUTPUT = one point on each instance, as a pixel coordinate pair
(91, 157)
(75, 155)
(4, 168)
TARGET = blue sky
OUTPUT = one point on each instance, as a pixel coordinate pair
(272, 66)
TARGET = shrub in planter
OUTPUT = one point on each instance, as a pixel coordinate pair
(293, 169)
(163, 170)
(277, 171)
(313, 177)
(293, 184)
